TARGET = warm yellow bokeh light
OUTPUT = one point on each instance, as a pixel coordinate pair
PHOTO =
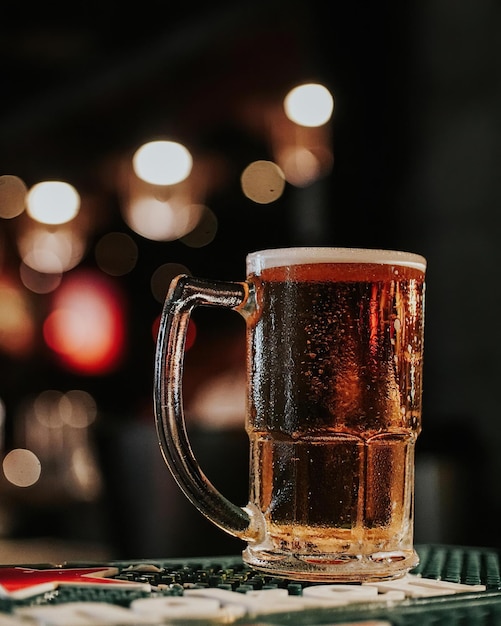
(309, 105)
(13, 193)
(22, 467)
(51, 251)
(303, 166)
(46, 408)
(17, 324)
(205, 231)
(52, 202)
(39, 282)
(78, 408)
(263, 182)
(116, 253)
(162, 162)
(162, 277)
(54, 409)
(161, 220)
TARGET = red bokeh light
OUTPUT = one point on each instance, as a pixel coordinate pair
(86, 326)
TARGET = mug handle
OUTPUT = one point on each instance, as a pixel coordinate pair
(185, 294)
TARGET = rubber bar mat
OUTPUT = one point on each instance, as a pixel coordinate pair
(452, 585)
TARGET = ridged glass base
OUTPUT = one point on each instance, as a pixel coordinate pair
(333, 567)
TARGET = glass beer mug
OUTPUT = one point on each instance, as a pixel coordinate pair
(334, 371)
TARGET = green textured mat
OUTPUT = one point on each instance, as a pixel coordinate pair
(68, 594)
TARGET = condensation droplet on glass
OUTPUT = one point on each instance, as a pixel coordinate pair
(397, 324)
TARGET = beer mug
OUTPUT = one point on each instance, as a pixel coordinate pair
(334, 375)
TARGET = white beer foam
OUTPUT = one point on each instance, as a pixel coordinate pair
(278, 257)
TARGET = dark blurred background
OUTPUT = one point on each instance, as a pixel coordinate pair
(410, 160)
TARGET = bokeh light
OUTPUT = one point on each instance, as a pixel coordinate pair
(17, 327)
(54, 426)
(204, 232)
(53, 408)
(86, 326)
(78, 408)
(39, 282)
(53, 202)
(13, 192)
(263, 182)
(51, 251)
(46, 408)
(161, 220)
(22, 467)
(162, 277)
(162, 162)
(303, 166)
(310, 104)
(116, 253)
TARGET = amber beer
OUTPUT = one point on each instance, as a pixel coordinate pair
(335, 364)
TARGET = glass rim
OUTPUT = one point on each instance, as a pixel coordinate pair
(277, 257)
